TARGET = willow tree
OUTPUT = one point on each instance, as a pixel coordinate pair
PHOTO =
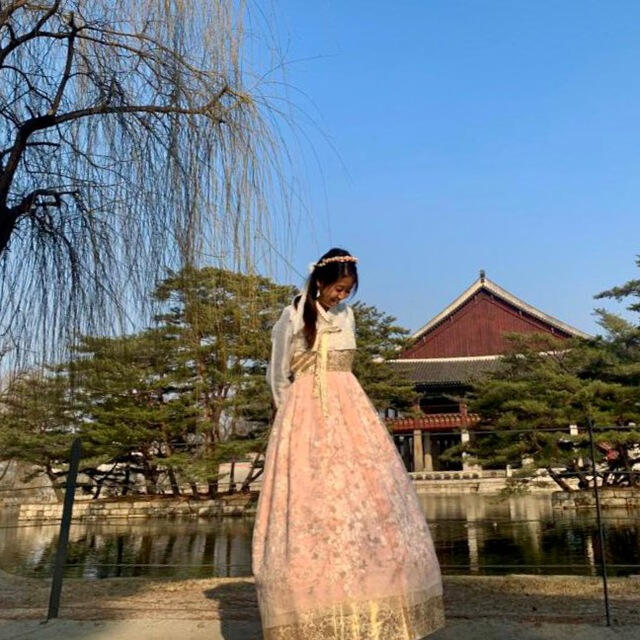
(132, 140)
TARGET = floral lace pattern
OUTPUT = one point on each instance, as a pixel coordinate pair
(340, 540)
(372, 620)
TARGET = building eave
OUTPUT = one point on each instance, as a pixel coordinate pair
(433, 422)
(445, 371)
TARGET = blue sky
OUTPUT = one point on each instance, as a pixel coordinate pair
(452, 136)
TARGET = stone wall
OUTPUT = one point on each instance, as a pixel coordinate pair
(480, 481)
(610, 498)
(99, 510)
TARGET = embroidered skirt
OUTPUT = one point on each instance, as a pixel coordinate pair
(341, 548)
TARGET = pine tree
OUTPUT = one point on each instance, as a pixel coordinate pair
(379, 339)
(133, 417)
(546, 384)
(170, 402)
(37, 421)
(223, 320)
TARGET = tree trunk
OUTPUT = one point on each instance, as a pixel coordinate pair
(175, 488)
(246, 485)
(232, 477)
(194, 489)
(127, 480)
(583, 482)
(558, 480)
(631, 476)
(150, 479)
(99, 485)
(8, 222)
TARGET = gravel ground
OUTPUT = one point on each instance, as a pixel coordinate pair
(227, 608)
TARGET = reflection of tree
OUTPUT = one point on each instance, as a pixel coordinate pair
(623, 546)
(194, 549)
(222, 548)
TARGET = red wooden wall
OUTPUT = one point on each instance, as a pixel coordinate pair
(476, 328)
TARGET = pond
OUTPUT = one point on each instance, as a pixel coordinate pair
(473, 535)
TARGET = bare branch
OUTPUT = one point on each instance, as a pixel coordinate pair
(140, 37)
(67, 67)
(5, 13)
(31, 201)
(43, 143)
(129, 145)
(34, 33)
(206, 109)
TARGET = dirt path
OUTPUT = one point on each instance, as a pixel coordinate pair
(549, 599)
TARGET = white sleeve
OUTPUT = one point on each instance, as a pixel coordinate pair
(351, 322)
(279, 369)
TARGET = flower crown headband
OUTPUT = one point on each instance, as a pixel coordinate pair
(298, 319)
(327, 261)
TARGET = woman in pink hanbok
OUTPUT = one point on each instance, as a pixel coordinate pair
(341, 548)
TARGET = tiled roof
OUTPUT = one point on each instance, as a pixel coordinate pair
(441, 370)
(484, 283)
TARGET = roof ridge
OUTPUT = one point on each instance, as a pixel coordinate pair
(449, 358)
(484, 283)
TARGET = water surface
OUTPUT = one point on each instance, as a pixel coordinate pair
(473, 535)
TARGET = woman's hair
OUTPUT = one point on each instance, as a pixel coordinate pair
(327, 272)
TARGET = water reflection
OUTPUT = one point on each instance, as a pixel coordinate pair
(488, 535)
(202, 548)
(473, 534)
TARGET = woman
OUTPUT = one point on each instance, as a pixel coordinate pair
(341, 548)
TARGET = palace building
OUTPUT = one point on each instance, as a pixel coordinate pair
(463, 341)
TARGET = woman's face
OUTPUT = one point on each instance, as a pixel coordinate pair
(332, 294)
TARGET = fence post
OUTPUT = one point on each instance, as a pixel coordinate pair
(65, 525)
(603, 560)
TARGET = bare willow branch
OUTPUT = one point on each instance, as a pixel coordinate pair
(10, 8)
(132, 140)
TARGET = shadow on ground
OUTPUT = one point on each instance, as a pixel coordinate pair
(238, 609)
(227, 608)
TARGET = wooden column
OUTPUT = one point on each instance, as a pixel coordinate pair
(428, 456)
(573, 431)
(466, 465)
(418, 454)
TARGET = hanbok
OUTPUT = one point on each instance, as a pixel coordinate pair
(341, 548)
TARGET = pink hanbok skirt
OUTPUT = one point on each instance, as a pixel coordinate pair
(341, 547)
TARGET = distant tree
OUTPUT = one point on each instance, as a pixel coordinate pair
(132, 138)
(619, 367)
(113, 396)
(379, 339)
(171, 403)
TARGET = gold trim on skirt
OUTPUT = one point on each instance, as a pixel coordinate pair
(393, 618)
